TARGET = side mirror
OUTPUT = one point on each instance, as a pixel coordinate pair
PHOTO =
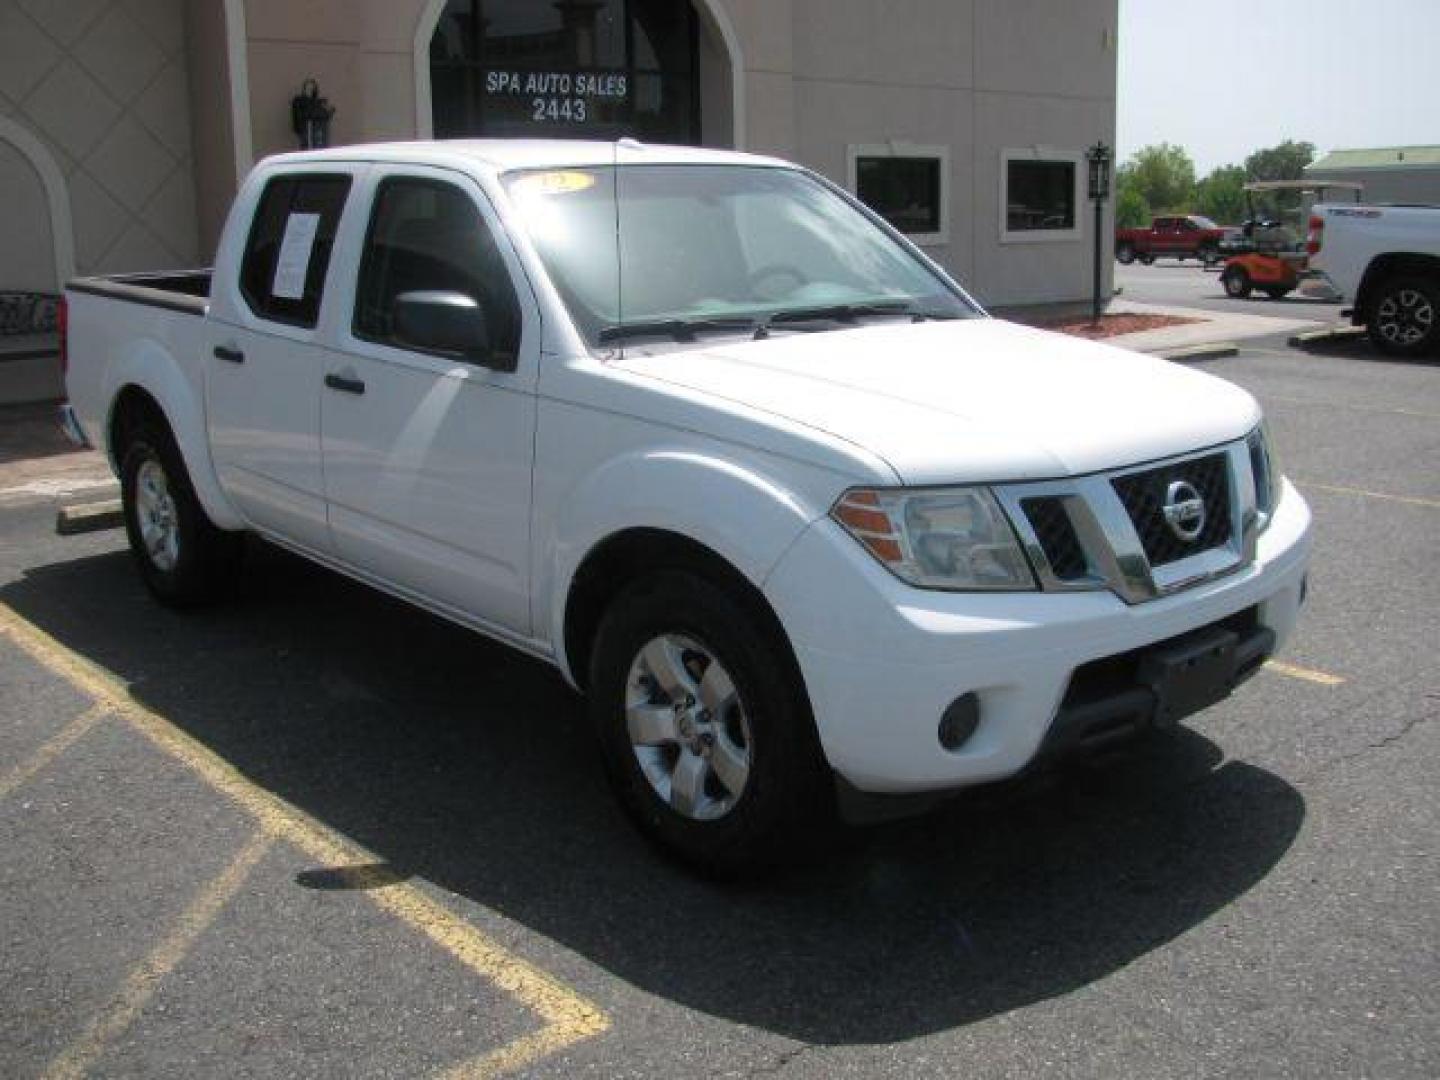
(448, 322)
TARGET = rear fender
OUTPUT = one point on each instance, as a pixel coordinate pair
(149, 366)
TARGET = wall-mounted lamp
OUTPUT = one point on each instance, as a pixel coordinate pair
(310, 116)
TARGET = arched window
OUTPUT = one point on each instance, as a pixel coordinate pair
(567, 68)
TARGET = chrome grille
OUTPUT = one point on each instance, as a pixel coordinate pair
(1143, 495)
(1110, 531)
(1056, 534)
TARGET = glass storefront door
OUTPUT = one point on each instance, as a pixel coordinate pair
(596, 69)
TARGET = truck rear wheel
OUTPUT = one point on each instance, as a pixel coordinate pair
(1125, 254)
(184, 559)
(707, 738)
(1147, 260)
(1405, 317)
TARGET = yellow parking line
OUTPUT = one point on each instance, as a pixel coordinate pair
(1412, 500)
(510, 1057)
(568, 1017)
(142, 983)
(53, 748)
(1308, 674)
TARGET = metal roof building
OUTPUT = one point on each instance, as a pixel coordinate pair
(1391, 174)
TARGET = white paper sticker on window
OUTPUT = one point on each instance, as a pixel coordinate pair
(295, 251)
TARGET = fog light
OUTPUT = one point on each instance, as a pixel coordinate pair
(959, 721)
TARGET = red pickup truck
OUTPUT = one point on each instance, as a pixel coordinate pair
(1186, 236)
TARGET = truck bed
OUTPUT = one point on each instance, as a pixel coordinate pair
(185, 290)
(119, 326)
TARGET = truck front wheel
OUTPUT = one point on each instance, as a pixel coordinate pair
(184, 560)
(705, 733)
(1405, 316)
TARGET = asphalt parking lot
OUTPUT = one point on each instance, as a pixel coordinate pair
(316, 832)
(1171, 281)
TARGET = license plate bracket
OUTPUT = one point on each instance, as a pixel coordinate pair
(1190, 675)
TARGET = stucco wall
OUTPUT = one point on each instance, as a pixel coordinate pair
(359, 51)
(27, 251)
(102, 85)
(976, 76)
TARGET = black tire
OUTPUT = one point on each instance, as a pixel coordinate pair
(1125, 254)
(1277, 292)
(1403, 317)
(1146, 260)
(787, 796)
(1208, 254)
(1236, 281)
(202, 566)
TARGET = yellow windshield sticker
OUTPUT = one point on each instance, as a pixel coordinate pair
(555, 182)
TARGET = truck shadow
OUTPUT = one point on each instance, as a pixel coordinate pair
(456, 761)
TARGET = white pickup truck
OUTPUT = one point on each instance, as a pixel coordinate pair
(1384, 260)
(710, 437)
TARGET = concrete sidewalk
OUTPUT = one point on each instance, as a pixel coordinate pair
(1210, 327)
(39, 465)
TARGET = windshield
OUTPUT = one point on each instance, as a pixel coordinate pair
(672, 250)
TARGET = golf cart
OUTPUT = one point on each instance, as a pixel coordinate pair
(1268, 255)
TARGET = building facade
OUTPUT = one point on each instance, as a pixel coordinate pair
(125, 125)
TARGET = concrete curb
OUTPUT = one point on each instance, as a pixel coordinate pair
(89, 517)
(1329, 334)
(1213, 351)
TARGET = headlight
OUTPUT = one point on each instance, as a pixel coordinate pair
(941, 538)
(1265, 472)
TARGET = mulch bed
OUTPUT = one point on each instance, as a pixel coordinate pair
(1114, 325)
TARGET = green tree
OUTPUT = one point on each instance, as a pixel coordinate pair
(1221, 195)
(1284, 162)
(1163, 174)
(1131, 209)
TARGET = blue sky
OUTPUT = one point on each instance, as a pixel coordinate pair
(1223, 77)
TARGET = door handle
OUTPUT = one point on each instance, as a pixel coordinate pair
(229, 355)
(345, 384)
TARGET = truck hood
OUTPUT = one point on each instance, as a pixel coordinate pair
(969, 400)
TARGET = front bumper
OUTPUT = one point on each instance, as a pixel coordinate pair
(882, 661)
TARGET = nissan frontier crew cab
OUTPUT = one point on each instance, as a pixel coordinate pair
(709, 436)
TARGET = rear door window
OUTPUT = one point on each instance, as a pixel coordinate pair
(282, 275)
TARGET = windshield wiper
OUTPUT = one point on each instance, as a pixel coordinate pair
(683, 330)
(848, 314)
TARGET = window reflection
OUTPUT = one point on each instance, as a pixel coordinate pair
(1040, 196)
(566, 68)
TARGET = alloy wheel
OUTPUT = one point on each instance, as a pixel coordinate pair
(156, 515)
(688, 727)
(1405, 317)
